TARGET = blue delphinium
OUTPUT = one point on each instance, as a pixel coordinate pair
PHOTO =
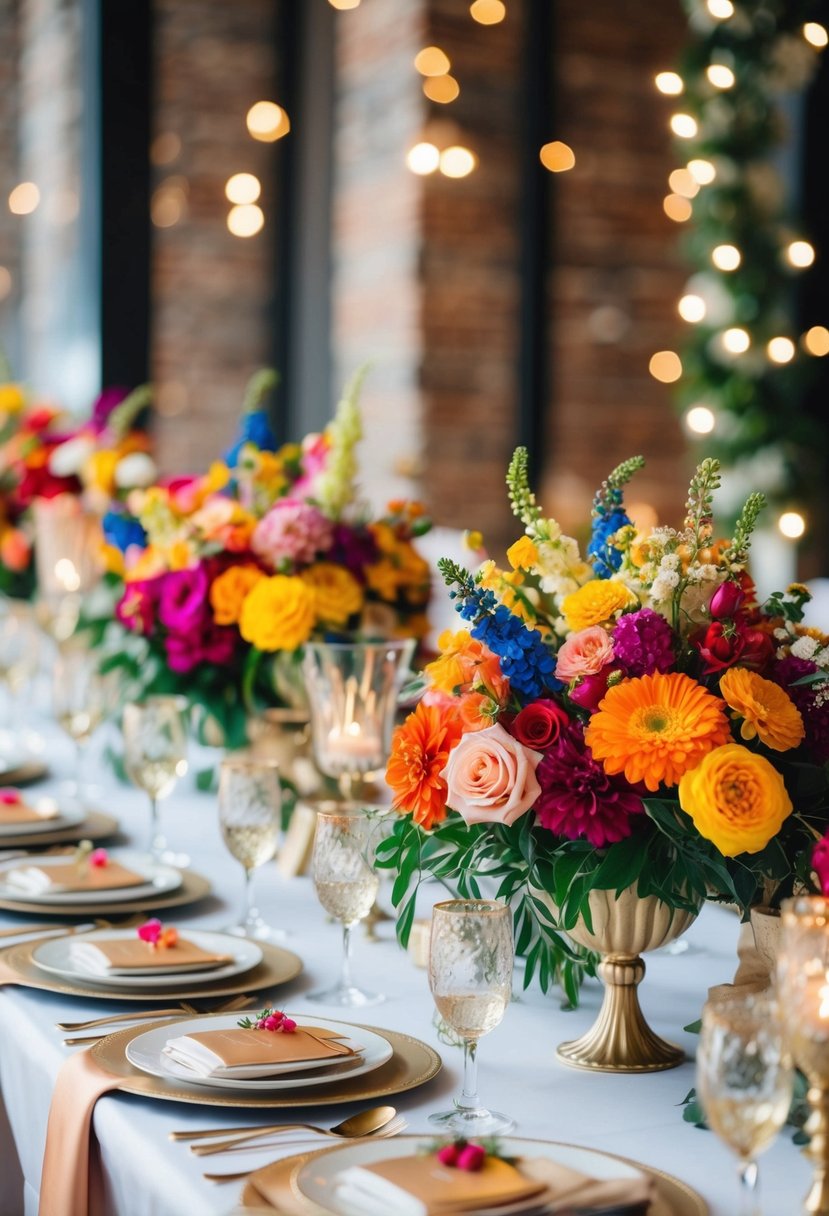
(253, 428)
(605, 557)
(121, 531)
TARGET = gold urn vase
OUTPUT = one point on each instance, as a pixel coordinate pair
(624, 928)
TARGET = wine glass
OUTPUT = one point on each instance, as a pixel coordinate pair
(19, 657)
(744, 1080)
(155, 756)
(80, 701)
(471, 958)
(342, 866)
(250, 806)
(352, 693)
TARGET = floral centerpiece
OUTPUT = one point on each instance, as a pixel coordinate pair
(226, 575)
(633, 718)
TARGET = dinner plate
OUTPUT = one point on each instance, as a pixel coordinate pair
(94, 826)
(315, 1180)
(54, 955)
(56, 823)
(159, 879)
(146, 1054)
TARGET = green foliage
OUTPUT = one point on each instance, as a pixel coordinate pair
(737, 551)
(125, 415)
(259, 388)
(522, 499)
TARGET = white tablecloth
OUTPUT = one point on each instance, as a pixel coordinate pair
(148, 1175)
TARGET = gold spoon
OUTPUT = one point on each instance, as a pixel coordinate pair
(366, 1123)
(238, 1002)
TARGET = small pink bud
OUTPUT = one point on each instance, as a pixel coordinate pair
(151, 931)
(471, 1158)
(726, 601)
(448, 1155)
(9, 797)
(288, 1025)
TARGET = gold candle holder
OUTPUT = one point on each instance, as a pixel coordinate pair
(803, 975)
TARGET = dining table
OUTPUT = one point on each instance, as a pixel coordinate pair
(144, 1173)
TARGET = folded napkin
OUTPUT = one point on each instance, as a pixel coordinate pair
(68, 876)
(65, 1178)
(130, 956)
(422, 1186)
(22, 812)
(256, 1053)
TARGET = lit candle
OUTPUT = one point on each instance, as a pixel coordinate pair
(351, 743)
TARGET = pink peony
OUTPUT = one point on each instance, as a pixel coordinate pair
(539, 724)
(578, 800)
(292, 531)
(490, 777)
(584, 654)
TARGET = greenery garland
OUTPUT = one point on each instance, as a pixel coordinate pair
(743, 59)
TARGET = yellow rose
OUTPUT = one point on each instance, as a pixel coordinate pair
(595, 603)
(523, 555)
(337, 594)
(278, 614)
(229, 591)
(736, 799)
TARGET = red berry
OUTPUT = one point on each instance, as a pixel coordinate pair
(472, 1158)
(448, 1155)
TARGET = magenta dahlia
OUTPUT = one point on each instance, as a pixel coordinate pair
(578, 799)
(643, 643)
(809, 699)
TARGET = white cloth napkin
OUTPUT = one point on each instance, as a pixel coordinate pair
(31, 880)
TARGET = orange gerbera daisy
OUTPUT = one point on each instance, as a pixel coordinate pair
(767, 710)
(419, 752)
(657, 727)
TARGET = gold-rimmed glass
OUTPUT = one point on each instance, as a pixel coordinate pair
(155, 756)
(471, 957)
(81, 699)
(744, 1081)
(250, 811)
(346, 883)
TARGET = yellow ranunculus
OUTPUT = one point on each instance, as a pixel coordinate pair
(229, 591)
(595, 603)
(278, 614)
(736, 798)
(12, 399)
(523, 555)
(337, 594)
(99, 471)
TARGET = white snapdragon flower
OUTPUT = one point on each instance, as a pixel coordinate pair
(804, 648)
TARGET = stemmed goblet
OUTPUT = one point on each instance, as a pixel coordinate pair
(744, 1081)
(346, 883)
(155, 756)
(80, 702)
(250, 805)
(471, 958)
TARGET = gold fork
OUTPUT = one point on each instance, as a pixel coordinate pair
(238, 1002)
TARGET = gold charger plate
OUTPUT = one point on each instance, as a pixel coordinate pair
(193, 887)
(96, 826)
(277, 967)
(413, 1064)
(672, 1198)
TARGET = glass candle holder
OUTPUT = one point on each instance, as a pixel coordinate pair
(803, 984)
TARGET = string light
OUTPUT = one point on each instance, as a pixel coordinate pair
(557, 156)
(736, 341)
(702, 171)
(721, 9)
(726, 257)
(800, 254)
(720, 76)
(684, 126)
(457, 161)
(700, 420)
(692, 308)
(169, 202)
(677, 208)
(816, 340)
(24, 199)
(488, 12)
(432, 61)
(665, 366)
(816, 34)
(165, 148)
(267, 122)
(442, 89)
(792, 525)
(669, 83)
(245, 220)
(780, 350)
(423, 159)
(243, 188)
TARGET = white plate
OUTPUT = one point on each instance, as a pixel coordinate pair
(64, 819)
(316, 1181)
(54, 956)
(159, 881)
(145, 1053)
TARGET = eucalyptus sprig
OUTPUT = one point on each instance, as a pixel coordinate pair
(521, 497)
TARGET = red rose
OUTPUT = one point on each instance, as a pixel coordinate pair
(726, 600)
(720, 648)
(539, 725)
(758, 649)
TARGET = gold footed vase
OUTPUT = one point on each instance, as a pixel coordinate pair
(624, 928)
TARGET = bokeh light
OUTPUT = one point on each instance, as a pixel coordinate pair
(684, 126)
(800, 254)
(669, 83)
(684, 183)
(245, 220)
(243, 188)
(692, 308)
(488, 12)
(432, 61)
(816, 33)
(721, 9)
(720, 76)
(665, 366)
(700, 420)
(677, 208)
(558, 157)
(780, 350)
(267, 122)
(457, 161)
(24, 198)
(736, 340)
(816, 340)
(441, 89)
(423, 158)
(702, 171)
(792, 525)
(726, 257)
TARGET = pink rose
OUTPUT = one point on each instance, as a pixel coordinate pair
(584, 654)
(726, 601)
(539, 724)
(491, 777)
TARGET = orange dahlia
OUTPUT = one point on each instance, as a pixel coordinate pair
(657, 727)
(419, 753)
(767, 710)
